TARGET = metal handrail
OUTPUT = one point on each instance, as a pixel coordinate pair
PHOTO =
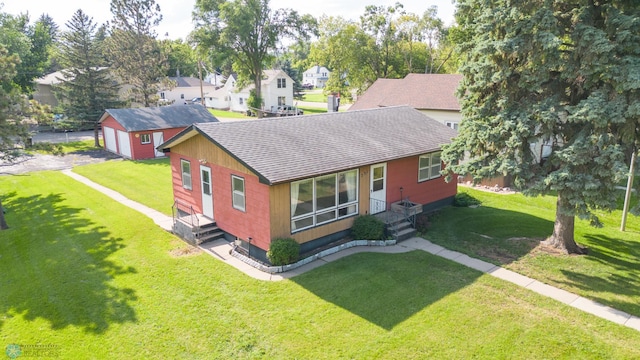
(391, 217)
(178, 205)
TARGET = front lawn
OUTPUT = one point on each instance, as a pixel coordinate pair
(145, 181)
(229, 114)
(95, 279)
(506, 230)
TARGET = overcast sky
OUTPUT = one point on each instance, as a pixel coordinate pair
(177, 14)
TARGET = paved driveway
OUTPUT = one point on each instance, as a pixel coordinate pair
(39, 162)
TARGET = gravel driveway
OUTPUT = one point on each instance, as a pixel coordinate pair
(37, 162)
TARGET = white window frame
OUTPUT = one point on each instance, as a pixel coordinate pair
(453, 124)
(238, 194)
(145, 139)
(186, 175)
(282, 83)
(315, 213)
(282, 100)
(433, 170)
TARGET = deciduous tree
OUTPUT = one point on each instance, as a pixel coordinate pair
(564, 72)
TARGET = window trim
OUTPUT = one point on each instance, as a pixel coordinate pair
(282, 83)
(143, 137)
(235, 192)
(314, 214)
(430, 166)
(188, 186)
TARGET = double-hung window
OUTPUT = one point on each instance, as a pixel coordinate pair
(282, 83)
(145, 139)
(186, 174)
(323, 199)
(238, 194)
(429, 166)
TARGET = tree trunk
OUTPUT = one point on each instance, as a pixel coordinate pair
(563, 230)
(3, 222)
(95, 134)
(258, 85)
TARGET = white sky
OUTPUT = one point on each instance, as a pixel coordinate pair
(177, 13)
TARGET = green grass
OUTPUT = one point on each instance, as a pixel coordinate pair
(314, 96)
(229, 114)
(98, 280)
(312, 110)
(72, 146)
(145, 181)
(506, 230)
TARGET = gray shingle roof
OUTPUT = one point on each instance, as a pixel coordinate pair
(161, 117)
(289, 148)
(420, 91)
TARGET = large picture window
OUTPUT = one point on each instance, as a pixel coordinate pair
(186, 174)
(237, 185)
(323, 199)
(429, 166)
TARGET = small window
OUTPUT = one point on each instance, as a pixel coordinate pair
(181, 96)
(238, 198)
(282, 83)
(453, 125)
(186, 174)
(241, 101)
(282, 100)
(429, 166)
(145, 139)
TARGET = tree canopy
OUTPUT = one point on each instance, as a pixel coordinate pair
(249, 32)
(558, 73)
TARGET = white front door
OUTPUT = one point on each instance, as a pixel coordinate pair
(124, 145)
(110, 139)
(378, 196)
(207, 195)
(158, 139)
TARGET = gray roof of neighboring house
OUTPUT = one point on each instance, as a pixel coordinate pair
(161, 117)
(290, 148)
(420, 91)
(187, 81)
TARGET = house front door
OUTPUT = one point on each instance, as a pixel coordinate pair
(207, 194)
(158, 139)
(378, 195)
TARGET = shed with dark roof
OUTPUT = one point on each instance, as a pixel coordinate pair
(135, 133)
(308, 177)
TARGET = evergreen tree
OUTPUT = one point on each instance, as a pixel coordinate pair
(133, 50)
(87, 87)
(563, 72)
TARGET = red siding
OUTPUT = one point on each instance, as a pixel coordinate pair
(141, 151)
(254, 221)
(192, 197)
(404, 173)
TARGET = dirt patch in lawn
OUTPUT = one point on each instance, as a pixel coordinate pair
(506, 256)
(185, 251)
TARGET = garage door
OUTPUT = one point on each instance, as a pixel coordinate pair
(124, 144)
(158, 139)
(110, 139)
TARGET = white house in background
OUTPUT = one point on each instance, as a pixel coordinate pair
(316, 76)
(216, 79)
(187, 88)
(277, 89)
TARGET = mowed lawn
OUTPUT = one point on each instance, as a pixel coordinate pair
(145, 181)
(506, 230)
(98, 280)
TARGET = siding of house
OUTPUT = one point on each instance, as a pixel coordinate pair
(404, 173)
(280, 205)
(147, 151)
(443, 116)
(254, 222)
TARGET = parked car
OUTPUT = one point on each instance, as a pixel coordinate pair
(288, 110)
(307, 86)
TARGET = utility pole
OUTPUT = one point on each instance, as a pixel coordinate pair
(627, 195)
(201, 89)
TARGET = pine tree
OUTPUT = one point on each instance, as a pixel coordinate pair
(87, 88)
(564, 72)
(133, 50)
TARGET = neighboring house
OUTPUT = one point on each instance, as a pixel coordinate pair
(305, 177)
(44, 88)
(216, 79)
(432, 94)
(188, 88)
(135, 133)
(316, 76)
(277, 89)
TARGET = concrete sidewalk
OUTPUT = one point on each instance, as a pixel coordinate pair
(220, 249)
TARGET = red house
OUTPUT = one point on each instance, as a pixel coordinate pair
(305, 177)
(135, 133)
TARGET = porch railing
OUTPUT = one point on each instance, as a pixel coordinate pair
(190, 216)
(392, 217)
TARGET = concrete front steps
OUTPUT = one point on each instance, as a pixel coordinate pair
(197, 232)
(401, 231)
